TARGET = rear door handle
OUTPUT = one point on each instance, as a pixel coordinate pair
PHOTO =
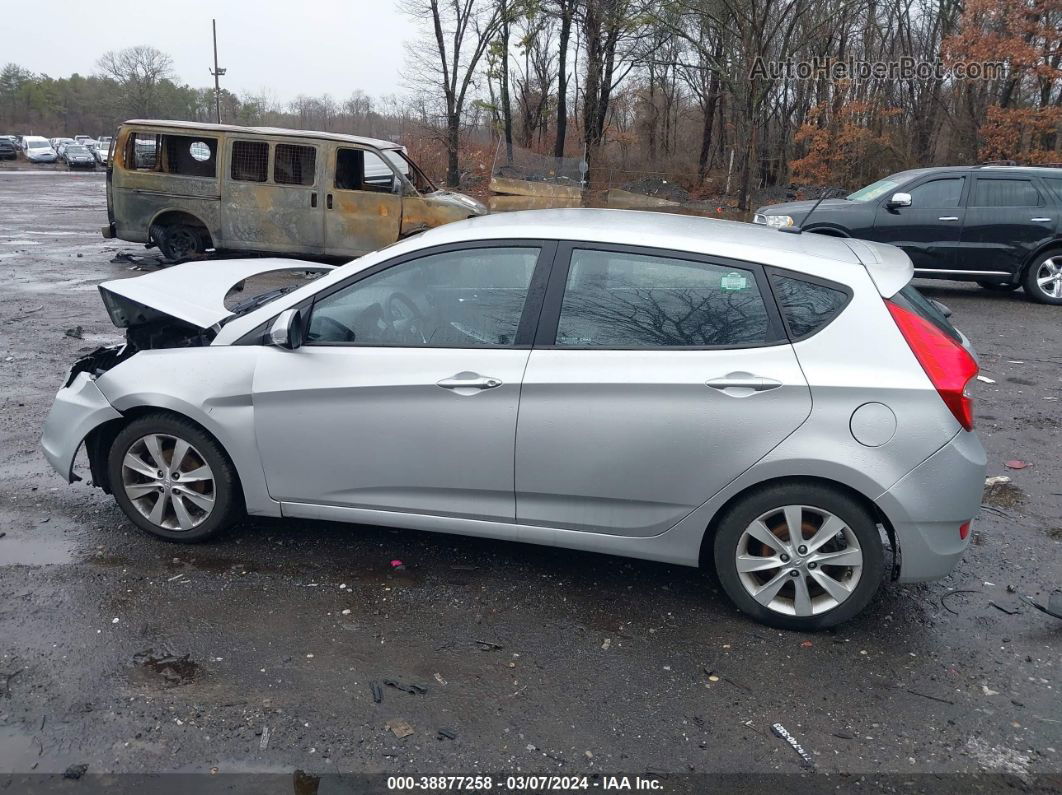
(1039, 220)
(313, 199)
(741, 384)
(948, 218)
(466, 383)
(328, 201)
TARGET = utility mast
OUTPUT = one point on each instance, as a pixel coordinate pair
(216, 72)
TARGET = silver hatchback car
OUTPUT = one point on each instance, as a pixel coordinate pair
(777, 407)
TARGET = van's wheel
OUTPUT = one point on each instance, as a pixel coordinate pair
(172, 479)
(179, 241)
(799, 556)
(999, 287)
(1043, 278)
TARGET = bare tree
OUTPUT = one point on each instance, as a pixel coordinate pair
(140, 72)
(460, 32)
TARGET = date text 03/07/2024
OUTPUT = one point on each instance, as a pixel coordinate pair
(522, 783)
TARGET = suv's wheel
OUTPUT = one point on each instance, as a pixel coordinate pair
(179, 241)
(1043, 278)
(171, 479)
(1001, 287)
(798, 556)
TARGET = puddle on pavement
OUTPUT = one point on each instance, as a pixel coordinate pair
(161, 668)
(36, 550)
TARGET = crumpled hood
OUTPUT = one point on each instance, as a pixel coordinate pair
(192, 292)
(459, 200)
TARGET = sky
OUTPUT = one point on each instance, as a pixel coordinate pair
(278, 48)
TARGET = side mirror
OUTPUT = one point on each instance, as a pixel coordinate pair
(899, 200)
(286, 331)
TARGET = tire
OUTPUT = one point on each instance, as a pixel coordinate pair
(998, 287)
(178, 242)
(856, 536)
(210, 503)
(1043, 279)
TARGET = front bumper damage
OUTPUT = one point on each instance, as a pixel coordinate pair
(79, 407)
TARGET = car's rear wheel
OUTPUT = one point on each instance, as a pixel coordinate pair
(999, 287)
(1043, 279)
(799, 556)
(172, 479)
(179, 241)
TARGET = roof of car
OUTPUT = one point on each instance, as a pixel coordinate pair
(641, 228)
(234, 128)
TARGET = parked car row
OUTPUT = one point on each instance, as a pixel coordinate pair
(81, 151)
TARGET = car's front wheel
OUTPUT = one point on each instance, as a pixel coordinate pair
(1043, 279)
(172, 479)
(799, 556)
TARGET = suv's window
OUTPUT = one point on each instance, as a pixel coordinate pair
(458, 299)
(807, 307)
(621, 300)
(939, 193)
(1055, 184)
(1005, 193)
(293, 164)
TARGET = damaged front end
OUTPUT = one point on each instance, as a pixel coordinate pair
(180, 307)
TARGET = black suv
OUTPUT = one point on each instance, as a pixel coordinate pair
(998, 225)
(8, 151)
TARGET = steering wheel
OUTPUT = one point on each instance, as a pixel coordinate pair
(340, 332)
(404, 318)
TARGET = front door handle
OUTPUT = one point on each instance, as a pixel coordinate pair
(313, 199)
(1040, 220)
(328, 201)
(948, 218)
(469, 383)
(741, 384)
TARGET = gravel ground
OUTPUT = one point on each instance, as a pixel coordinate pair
(256, 653)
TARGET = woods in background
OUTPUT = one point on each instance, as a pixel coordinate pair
(686, 89)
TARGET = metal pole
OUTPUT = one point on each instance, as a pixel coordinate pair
(217, 72)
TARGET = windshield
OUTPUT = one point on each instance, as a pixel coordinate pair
(875, 190)
(36, 143)
(76, 150)
(411, 170)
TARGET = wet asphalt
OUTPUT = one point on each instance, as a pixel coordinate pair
(258, 652)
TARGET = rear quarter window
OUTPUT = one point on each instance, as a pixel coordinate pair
(807, 304)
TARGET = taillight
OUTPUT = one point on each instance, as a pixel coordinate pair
(964, 530)
(949, 366)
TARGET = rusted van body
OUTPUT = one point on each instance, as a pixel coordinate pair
(188, 187)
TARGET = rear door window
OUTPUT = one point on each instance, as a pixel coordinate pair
(1005, 193)
(616, 299)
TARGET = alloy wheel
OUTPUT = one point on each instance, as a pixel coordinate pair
(799, 560)
(1049, 277)
(168, 481)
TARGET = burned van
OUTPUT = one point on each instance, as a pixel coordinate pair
(189, 187)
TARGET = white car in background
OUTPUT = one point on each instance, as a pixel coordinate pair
(38, 149)
(102, 149)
